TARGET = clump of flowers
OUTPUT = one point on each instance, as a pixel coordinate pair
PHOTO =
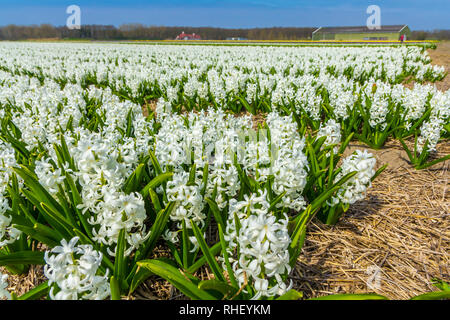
(259, 246)
(102, 175)
(74, 272)
(355, 189)
(331, 130)
(188, 198)
(289, 165)
(8, 234)
(431, 132)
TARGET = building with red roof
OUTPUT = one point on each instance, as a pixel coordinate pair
(187, 36)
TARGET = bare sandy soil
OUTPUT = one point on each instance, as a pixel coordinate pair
(441, 56)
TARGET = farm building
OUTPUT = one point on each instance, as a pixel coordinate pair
(187, 36)
(390, 33)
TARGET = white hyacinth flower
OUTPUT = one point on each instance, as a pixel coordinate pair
(73, 269)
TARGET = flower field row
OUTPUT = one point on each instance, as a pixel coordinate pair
(358, 87)
(89, 186)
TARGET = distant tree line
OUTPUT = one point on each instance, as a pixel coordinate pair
(431, 35)
(142, 32)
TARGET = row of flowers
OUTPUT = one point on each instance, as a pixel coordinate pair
(360, 88)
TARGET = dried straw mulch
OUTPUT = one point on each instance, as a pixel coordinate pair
(401, 229)
(20, 284)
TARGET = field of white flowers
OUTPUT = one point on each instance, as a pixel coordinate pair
(90, 186)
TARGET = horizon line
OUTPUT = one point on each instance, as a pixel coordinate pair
(200, 27)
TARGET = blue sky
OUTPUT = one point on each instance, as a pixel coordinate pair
(418, 14)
